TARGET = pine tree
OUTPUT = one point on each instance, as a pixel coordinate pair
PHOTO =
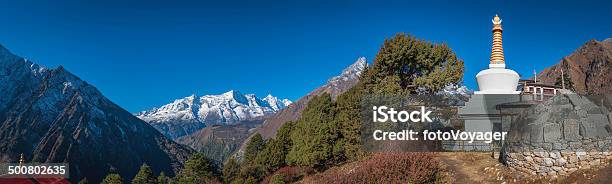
(253, 147)
(314, 135)
(112, 178)
(348, 119)
(405, 63)
(231, 169)
(144, 176)
(271, 157)
(274, 154)
(83, 181)
(198, 169)
(162, 178)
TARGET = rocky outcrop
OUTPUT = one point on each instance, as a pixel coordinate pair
(564, 134)
(589, 68)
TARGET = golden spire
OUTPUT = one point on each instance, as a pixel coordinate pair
(497, 53)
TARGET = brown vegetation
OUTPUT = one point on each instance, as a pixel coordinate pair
(384, 168)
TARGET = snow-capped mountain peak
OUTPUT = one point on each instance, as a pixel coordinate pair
(276, 103)
(351, 72)
(195, 112)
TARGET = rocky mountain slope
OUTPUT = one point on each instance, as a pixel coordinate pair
(190, 114)
(334, 86)
(589, 67)
(50, 115)
(218, 142)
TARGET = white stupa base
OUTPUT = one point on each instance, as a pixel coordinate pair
(497, 80)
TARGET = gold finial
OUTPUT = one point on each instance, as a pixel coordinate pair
(21, 159)
(497, 20)
(497, 52)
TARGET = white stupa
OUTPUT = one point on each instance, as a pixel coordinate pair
(497, 85)
(497, 79)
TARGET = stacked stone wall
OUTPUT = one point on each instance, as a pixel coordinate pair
(560, 136)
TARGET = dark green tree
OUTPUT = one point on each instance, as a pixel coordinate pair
(198, 169)
(255, 145)
(272, 156)
(348, 119)
(283, 135)
(144, 175)
(251, 170)
(406, 63)
(314, 134)
(162, 178)
(112, 178)
(231, 169)
(83, 181)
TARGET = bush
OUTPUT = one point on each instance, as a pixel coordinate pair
(290, 174)
(388, 168)
(277, 179)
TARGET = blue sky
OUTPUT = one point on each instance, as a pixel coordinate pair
(142, 54)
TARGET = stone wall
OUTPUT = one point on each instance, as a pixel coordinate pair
(559, 136)
(556, 162)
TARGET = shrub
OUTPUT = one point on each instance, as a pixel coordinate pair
(277, 179)
(388, 168)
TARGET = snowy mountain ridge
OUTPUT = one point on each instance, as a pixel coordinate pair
(186, 115)
(351, 72)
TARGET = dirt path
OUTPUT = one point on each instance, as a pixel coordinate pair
(472, 168)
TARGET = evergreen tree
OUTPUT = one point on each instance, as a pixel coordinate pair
(253, 147)
(198, 169)
(283, 135)
(272, 156)
(251, 170)
(162, 178)
(405, 63)
(314, 135)
(231, 169)
(112, 178)
(144, 176)
(348, 119)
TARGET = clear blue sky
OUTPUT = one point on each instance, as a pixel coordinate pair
(142, 54)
